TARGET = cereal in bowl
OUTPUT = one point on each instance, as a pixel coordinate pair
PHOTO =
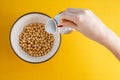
(35, 41)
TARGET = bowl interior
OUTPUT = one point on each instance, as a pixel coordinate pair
(17, 29)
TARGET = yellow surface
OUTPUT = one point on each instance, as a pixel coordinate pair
(78, 57)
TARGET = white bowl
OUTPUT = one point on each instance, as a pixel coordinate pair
(17, 29)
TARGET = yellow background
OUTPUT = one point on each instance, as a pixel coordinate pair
(78, 57)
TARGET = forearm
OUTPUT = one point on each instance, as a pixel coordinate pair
(112, 42)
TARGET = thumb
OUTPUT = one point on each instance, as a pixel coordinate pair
(68, 16)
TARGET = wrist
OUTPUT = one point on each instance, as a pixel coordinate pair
(110, 38)
(105, 35)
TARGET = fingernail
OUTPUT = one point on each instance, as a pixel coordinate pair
(60, 25)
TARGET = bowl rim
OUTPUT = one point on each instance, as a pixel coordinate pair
(13, 48)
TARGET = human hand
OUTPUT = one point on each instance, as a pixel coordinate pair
(86, 22)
